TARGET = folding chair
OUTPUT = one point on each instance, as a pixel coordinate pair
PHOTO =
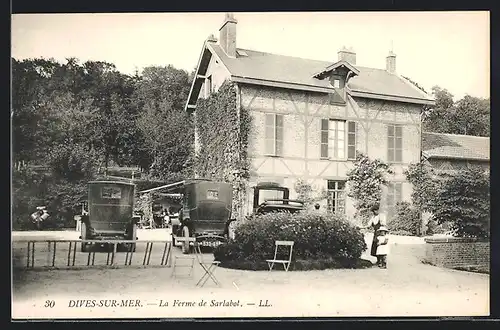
(285, 262)
(208, 266)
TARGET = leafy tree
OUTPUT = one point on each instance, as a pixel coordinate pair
(425, 186)
(463, 200)
(365, 182)
(469, 115)
(166, 130)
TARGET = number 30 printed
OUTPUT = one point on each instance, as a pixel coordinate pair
(49, 303)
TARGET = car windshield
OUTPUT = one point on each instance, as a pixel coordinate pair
(270, 194)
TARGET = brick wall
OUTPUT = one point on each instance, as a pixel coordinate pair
(458, 253)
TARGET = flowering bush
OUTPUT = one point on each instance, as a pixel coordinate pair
(316, 237)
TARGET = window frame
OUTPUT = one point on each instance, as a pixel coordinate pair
(392, 152)
(347, 148)
(278, 143)
(336, 199)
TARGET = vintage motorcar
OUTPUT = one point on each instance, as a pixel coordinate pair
(272, 197)
(110, 213)
(205, 214)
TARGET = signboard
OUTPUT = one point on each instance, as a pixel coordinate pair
(212, 194)
(111, 192)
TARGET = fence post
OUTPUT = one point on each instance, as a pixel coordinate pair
(54, 254)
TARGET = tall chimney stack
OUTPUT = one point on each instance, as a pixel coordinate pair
(348, 55)
(390, 62)
(227, 35)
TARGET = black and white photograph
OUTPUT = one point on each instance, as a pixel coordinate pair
(250, 165)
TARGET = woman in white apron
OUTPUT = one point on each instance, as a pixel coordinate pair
(376, 221)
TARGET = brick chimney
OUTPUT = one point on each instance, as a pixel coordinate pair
(390, 62)
(348, 55)
(227, 35)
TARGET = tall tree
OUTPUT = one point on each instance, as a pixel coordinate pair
(166, 129)
(469, 115)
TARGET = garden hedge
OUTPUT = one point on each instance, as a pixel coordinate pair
(329, 240)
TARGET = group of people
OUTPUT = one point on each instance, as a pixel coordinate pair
(380, 243)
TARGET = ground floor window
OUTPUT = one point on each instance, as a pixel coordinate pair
(336, 196)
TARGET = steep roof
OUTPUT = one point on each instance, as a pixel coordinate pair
(453, 146)
(256, 67)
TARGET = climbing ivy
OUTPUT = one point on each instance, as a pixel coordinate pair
(365, 181)
(223, 134)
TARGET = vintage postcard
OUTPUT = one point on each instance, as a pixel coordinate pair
(216, 165)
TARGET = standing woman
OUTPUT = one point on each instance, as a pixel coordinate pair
(376, 221)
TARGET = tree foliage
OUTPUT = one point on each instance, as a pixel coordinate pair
(463, 201)
(79, 118)
(406, 220)
(469, 115)
(425, 185)
(365, 182)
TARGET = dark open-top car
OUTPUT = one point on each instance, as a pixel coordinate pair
(271, 197)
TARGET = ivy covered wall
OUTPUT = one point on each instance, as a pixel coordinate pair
(222, 128)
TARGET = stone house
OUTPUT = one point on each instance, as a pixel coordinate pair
(451, 152)
(311, 117)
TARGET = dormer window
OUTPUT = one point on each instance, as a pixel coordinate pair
(338, 74)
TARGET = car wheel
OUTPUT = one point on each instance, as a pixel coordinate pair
(185, 244)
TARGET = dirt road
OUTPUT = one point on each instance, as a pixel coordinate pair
(406, 288)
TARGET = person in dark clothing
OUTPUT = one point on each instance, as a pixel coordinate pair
(376, 221)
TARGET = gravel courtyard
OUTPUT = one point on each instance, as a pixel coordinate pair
(406, 288)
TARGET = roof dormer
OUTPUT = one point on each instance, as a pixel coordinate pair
(338, 74)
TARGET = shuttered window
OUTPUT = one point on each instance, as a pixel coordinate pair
(333, 139)
(395, 143)
(274, 134)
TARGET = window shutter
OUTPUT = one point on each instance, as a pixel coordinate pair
(398, 145)
(390, 143)
(279, 135)
(352, 128)
(324, 138)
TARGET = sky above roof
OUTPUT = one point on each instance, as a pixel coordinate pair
(449, 49)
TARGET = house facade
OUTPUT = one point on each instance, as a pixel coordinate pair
(311, 118)
(453, 152)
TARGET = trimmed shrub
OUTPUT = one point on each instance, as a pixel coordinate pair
(406, 220)
(316, 237)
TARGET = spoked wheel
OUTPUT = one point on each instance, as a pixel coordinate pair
(185, 244)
